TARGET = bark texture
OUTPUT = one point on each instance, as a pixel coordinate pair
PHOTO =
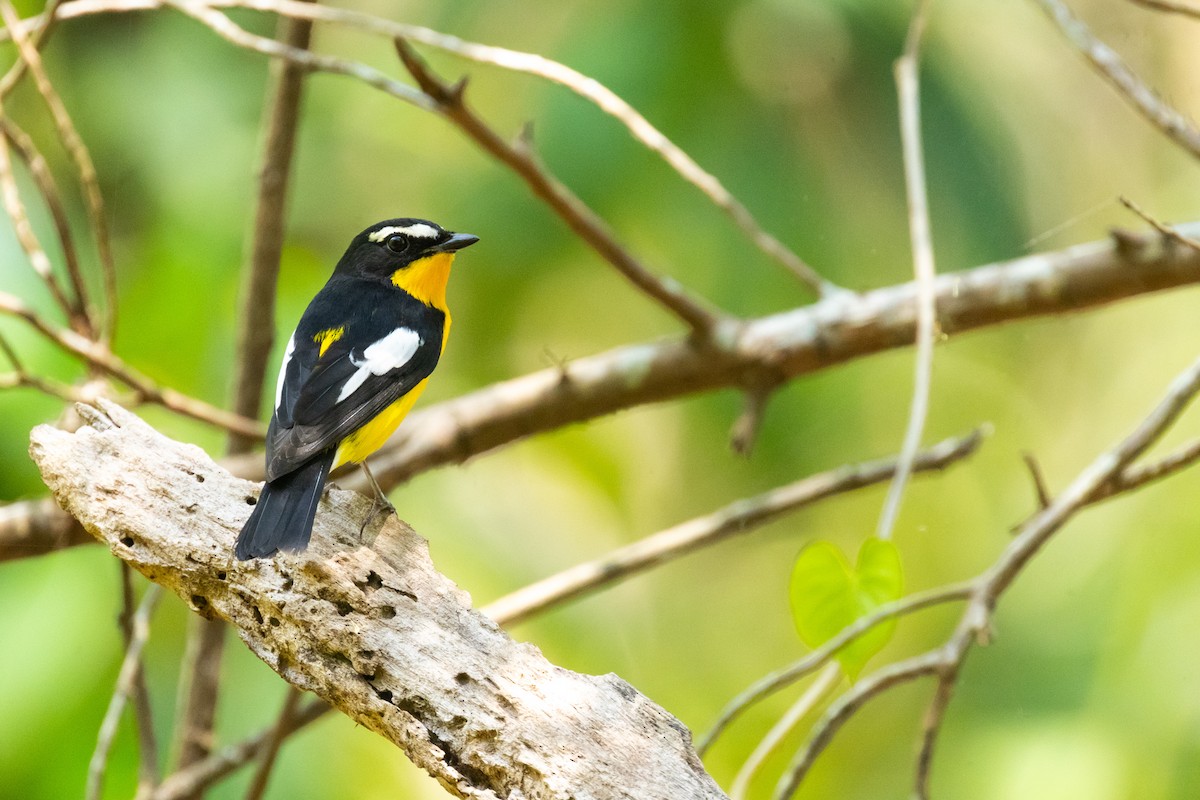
(373, 628)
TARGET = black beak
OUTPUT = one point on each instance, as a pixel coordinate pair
(457, 242)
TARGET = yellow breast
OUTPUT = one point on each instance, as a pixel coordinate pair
(370, 437)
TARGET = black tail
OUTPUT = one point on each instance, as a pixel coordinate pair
(283, 517)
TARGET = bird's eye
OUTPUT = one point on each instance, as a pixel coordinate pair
(397, 243)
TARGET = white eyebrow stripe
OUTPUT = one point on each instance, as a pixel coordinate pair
(392, 351)
(419, 229)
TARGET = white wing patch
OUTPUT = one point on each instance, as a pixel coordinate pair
(420, 230)
(287, 359)
(383, 356)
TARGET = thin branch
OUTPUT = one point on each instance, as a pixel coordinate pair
(39, 170)
(931, 727)
(1039, 480)
(202, 673)
(816, 659)
(226, 760)
(21, 377)
(1170, 7)
(816, 693)
(144, 719)
(125, 684)
(736, 519)
(1165, 230)
(987, 588)
(448, 101)
(261, 269)
(77, 149)
(746, 427)
(15, 207)
(908, 89)
(1137, 475)
(588, 88)
(284, 725)
(1091, 482)
(236, 35)
(98, 355)
(37, 31)
(1112, 68)
(844, 708)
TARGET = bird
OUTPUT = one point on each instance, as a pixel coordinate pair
(356, 363)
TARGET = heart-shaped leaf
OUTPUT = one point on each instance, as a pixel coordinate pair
(828, 594)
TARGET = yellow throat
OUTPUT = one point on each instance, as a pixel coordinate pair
(425, 279)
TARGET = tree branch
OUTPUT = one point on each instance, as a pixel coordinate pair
(374, 630)
(740, 517)
(1113, 69)
(586, 223)
(790, 344)
(805, 340)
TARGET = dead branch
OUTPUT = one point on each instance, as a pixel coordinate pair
(374, 630)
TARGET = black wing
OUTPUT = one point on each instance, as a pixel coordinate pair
(323, 398)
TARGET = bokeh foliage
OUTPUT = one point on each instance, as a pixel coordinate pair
(1089, 690)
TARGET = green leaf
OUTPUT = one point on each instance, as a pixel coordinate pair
(828, 594)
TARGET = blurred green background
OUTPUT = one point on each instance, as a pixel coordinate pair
(1090, 690)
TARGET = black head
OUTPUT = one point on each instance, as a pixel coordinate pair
(393, 244)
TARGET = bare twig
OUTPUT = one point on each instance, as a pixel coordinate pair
(1112, 68)
(284, 725)
(745, 428)
(776, 681)
(1170, 7)
(79, 153)
(1165, 230)
(125, 684)
(1137, 475)
(236, 35)
(39, 170)
(15, 207)
(931, 726)
(843, 709)
(147, 742)
(909, 91)
(987, 588)
(741, 517)
(37, 32)
(261, 270)
(98, 355)
(202, 668)
(588, 88)
(815, 694)
(448, 101)
(22, 377)
(222, 762)
(1039, 480)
